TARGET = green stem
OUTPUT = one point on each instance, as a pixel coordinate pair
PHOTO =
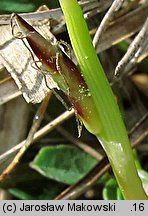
(113, 135)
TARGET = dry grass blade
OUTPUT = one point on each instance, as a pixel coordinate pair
(35, 125)
(139, 131)
(56, 13)
(139, 123)
(104, 23)
(134, 51)
(42, 132)
(37, 16)
(117, 31)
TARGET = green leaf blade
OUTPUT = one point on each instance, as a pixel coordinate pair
(63, 163)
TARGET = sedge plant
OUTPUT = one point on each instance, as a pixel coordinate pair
(113, 135)
(89, 93)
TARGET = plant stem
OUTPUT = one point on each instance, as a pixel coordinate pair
(113, 135)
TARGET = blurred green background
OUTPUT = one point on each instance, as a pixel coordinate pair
(20, 6)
